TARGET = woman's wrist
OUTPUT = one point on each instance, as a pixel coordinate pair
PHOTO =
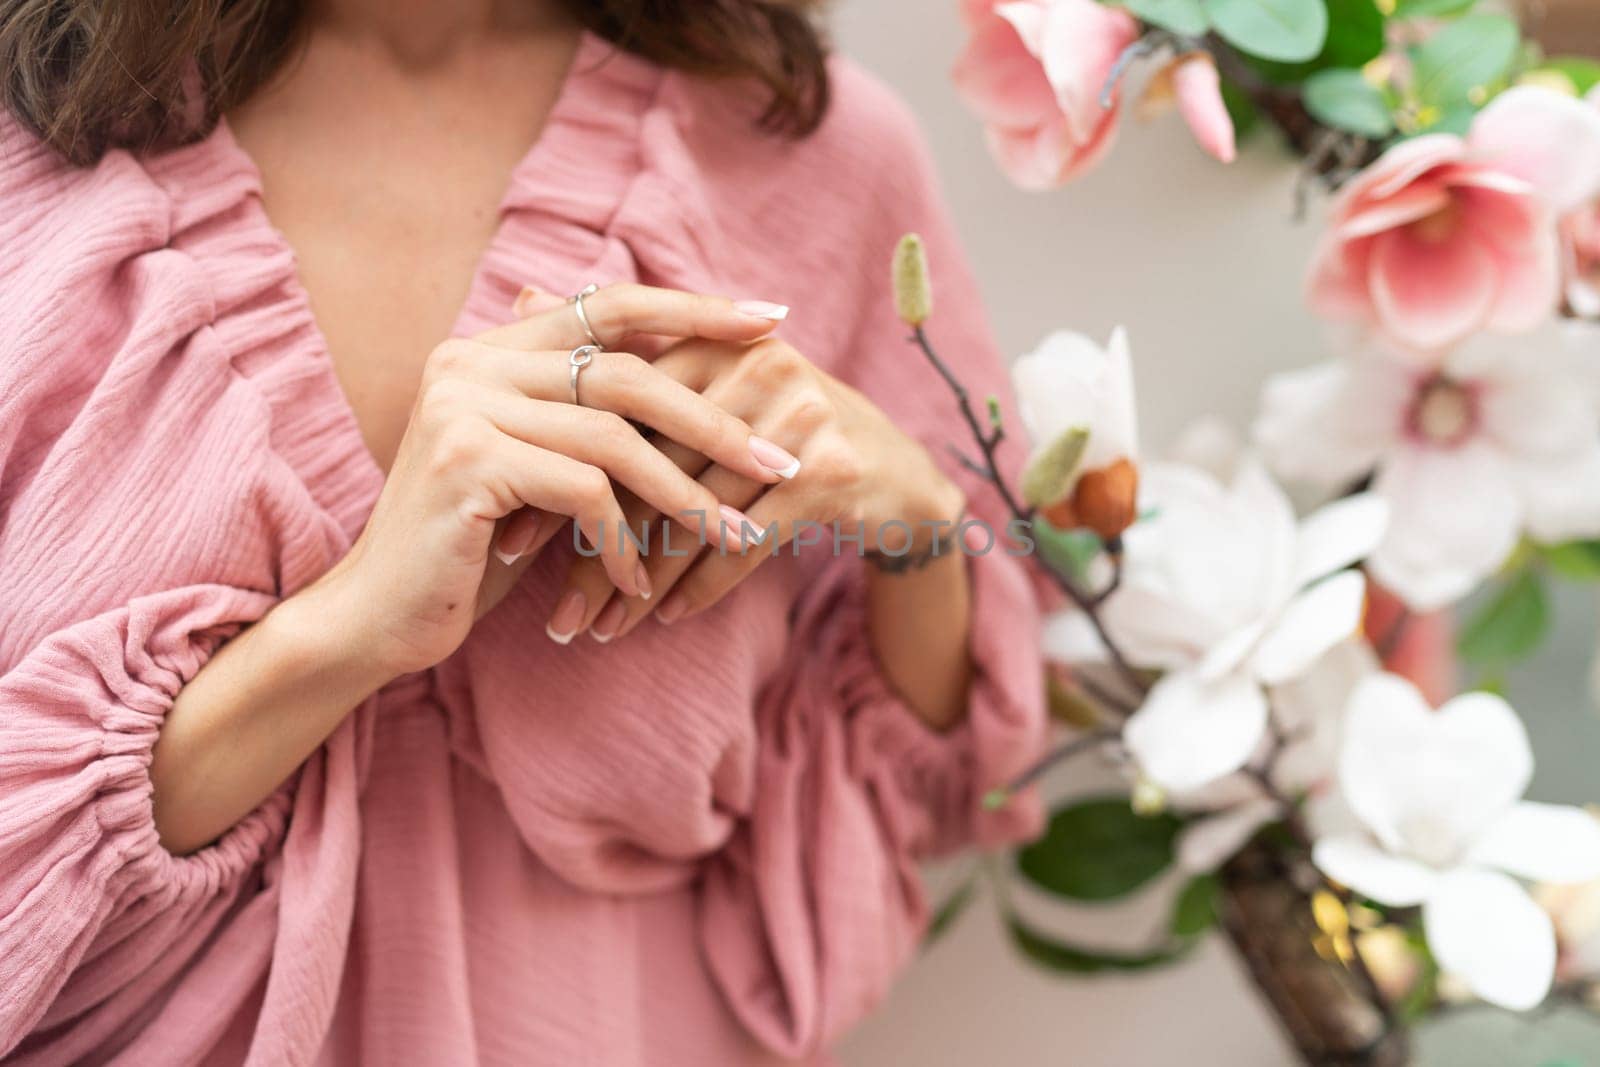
(919, 506)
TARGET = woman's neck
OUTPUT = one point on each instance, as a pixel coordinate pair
(423, 32)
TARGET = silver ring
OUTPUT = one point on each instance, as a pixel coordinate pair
(581, 357)
(583, 316)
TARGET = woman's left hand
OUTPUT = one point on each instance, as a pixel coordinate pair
(854, 467)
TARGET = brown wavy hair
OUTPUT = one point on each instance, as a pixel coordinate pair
(91, 75)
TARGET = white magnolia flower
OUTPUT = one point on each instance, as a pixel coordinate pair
(1308, 713)
(1439, 794)
(1472, 450)
(1226, 592)
(1070, 383)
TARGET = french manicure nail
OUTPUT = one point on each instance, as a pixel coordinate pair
(732, 533)
(671, 609)
(762, 309)
(774, 457)
(517, 536)
(609, 621)
(564, 620)
(641, 580)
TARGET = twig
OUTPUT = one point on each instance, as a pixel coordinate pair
(1060, 754)
(989, 442)
(1144, 46)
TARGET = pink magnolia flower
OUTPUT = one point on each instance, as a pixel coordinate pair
(1033, 71)
(1446, 235)
(1191, 81)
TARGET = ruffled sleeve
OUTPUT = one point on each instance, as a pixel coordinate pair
(172, 464)
(817, 902)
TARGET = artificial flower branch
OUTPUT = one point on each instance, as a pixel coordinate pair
(914, 302)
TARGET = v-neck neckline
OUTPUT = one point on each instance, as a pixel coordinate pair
(590, 54)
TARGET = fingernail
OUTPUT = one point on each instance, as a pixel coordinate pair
(641, 580)
(671, 609)
(524, 300)
(516, 537)
(775, 458)
(609, 621)
(762, 309)
(732, 533)
(565, 619)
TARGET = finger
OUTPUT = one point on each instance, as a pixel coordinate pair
(606, 440)
(541, 478)
(771, 525)
(623, 383)
(523, 533)
(666, 571)
(617, 312)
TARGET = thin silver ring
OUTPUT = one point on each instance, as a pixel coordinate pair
(583, 316)
(581, 357)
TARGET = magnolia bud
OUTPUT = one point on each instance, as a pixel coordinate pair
(1105, 501)
(1149, 799)
(913, 292)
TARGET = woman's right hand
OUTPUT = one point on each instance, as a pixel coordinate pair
(496, 457)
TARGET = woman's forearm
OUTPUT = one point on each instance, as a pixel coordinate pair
(254, 713)
(919, 622)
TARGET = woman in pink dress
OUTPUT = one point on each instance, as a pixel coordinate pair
(322, 738)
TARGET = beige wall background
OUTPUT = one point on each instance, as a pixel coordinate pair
(1203, 264)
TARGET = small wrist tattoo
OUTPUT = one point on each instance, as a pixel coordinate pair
(944, 543)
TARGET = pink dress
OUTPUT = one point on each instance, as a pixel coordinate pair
(698, 845)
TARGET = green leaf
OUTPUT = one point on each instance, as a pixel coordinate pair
(1355, 33)
(1066, 552)
(1583, 72)
(1196, 909)
(1469, 54)
(1071, 959)
(1345, 100)
(1286, 30)
(1511, 625)
(1050, 474)
(1180, 16)
(1099, 850)
(1355, 37)
(1412, 9)
(951, 910)
(1578, 560)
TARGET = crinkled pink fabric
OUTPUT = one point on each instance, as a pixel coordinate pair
(697, 845)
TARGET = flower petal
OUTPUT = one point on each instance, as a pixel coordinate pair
(1338, 535)
(1455, 515)
(1189, 732)
(1427, 783)
(1316, 620)
(1484, 929)
(1542, 842)
(1369, 870)
(1199, 92)
(1429, 294)
(1329, 424)
(1544, 137)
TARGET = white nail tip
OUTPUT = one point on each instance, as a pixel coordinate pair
(790, 471)
(560, 639)
(506, 557)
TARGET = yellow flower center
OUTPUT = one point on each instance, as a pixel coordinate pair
(1444, 412)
